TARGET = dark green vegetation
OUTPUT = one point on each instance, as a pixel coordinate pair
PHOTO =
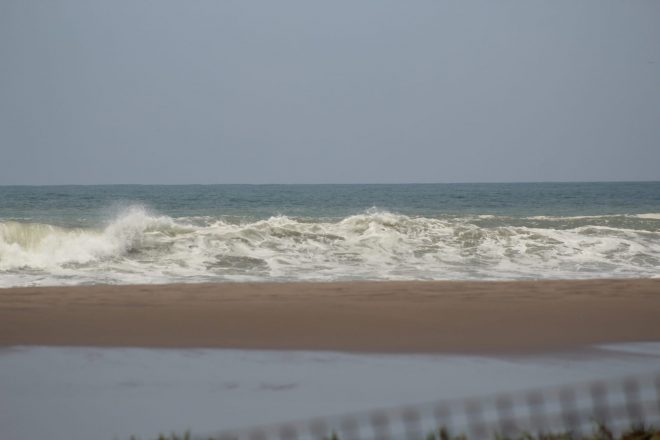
(600, 433)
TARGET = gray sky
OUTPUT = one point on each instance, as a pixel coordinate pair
(336, 91)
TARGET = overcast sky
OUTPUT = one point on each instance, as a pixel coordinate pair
(328, 92)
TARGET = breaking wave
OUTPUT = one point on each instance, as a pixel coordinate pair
(138, 246)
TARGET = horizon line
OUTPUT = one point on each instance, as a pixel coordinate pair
(335, 183)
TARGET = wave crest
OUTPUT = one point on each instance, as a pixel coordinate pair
(140, 246)
(42, 246)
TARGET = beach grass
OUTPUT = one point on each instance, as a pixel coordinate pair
(601, 432)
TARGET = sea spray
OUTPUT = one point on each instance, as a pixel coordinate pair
(139, 245)
(40, 246)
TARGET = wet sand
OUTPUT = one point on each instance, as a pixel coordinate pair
(423, 317)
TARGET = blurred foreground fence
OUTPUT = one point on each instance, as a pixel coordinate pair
(619, 404)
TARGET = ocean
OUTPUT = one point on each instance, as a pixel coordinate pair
(130, 234)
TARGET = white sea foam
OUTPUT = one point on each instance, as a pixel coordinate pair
(651, 216)
(140, 247)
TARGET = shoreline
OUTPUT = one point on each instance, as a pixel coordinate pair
(458, 317)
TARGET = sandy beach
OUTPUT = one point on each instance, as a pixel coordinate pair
(424, 317)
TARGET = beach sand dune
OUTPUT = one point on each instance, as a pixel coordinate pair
(424, 317)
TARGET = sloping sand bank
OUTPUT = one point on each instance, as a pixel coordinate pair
(450, 317)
